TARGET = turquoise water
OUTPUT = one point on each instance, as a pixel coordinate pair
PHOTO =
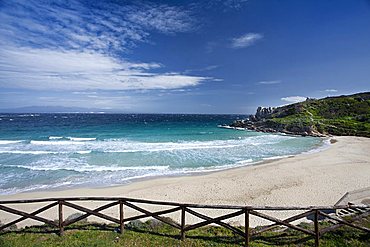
(54, 151)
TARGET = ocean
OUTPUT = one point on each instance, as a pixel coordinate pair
(59, 151)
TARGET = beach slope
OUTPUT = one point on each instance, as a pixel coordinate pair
(318, 178)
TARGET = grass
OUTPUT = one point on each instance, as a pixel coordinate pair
(153, 233)
(344, 115)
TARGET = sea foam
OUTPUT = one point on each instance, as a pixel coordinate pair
(81, 139)
(55, 137)
(104, 150)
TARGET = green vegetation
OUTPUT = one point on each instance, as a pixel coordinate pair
(154, 233)
(342, 115)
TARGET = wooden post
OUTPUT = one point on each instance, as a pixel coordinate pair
(246, 223)
(60, 209)
(121, 218)
(182, 236)
(317, 233)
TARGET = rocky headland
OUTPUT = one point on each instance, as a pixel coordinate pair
(341, 115)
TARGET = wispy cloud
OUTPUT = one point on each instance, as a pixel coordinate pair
(293, 99)
(211, 46)
(227, 4)
(71, 70)
(123, 103)
(95, 25)
(163, 18)
(207, 68)
(80, 45)
(233, 3)
(269, 82)
(330, 90)
(118, 101)
(245, 40)
(210, 67)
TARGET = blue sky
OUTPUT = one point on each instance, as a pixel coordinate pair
(181, 56)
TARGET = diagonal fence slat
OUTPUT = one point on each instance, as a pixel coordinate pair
(27, 215)
(153, 214)
(24, 217)
(344, 222)
(91, 212)
(363, 211)
(109, 205)
(336, 226)
(213, 220)
(280, 222)
(272, 226)
(227, 226)
(167, 211)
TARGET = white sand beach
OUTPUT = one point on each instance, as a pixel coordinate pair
(311, 179)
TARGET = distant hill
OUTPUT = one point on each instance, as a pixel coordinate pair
(341, 115)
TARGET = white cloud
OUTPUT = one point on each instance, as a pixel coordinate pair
(163, 18)
(207, 68)
(85, 93)
(269, 82)
(44, 69)
(331, 90)
(246, 40)
(233, 3)
(226, 4)
(293, 99)
(75, 45)
(94, 25)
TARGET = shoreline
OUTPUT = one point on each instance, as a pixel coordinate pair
(311, 179)
(325, 144)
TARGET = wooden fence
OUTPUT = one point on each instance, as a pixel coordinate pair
(317, 213)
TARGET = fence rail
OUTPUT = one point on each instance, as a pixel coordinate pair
(317, 212)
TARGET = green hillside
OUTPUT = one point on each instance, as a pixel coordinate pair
(342, 115)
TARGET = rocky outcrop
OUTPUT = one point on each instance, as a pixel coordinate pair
(263, 112)
(273, 127)
(339, 115)
(262, 122)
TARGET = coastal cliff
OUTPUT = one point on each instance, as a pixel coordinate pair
(341, 115)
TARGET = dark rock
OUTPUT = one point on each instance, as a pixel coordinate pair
(261, 122)
(263, 112)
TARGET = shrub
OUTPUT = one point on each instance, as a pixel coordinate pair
(136, 224)
(76, 215)
(154, 224)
